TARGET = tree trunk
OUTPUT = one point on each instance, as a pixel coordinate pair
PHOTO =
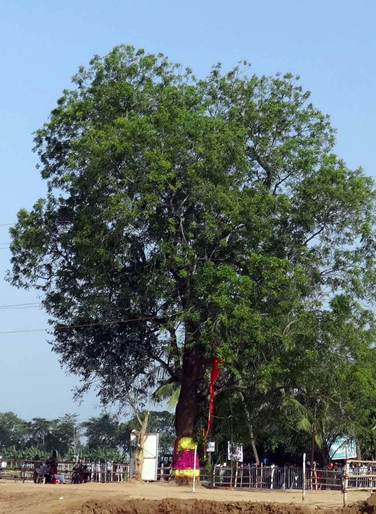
(250, 431)
(139, 450)
(358, 451)
(194, 366)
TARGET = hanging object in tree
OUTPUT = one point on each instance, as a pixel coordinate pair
(213, 377)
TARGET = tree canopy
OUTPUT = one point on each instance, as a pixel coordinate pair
(106, 431)
(38, 436)
(187, 218)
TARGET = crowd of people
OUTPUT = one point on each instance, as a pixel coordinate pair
(362, 475)
(47, 472)
(102, 471)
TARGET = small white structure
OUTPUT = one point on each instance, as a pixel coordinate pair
(150, 466)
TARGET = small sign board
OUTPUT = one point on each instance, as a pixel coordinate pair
(211, 446)
(235, 451)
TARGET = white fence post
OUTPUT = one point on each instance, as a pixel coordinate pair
(304, 477)
(315, 474)
(345, 482)
(194, 471)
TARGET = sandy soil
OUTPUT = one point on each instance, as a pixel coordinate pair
(119, 498)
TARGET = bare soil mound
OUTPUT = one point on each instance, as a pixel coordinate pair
(175, 506)
(367, 507)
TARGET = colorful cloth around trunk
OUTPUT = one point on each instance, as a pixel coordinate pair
(184, 458)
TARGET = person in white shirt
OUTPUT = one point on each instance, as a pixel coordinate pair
(109, 471)
(3, 466)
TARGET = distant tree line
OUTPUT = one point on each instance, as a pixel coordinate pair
(280, 435)
(99, 438)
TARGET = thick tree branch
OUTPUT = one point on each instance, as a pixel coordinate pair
(230, 388)
(167, 368)
(134, 408)
(318, 232)
(264, 166)
(281, 182)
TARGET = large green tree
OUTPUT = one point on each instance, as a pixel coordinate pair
(106, 431)
(187, 218)
(13, 430)
(39, 431)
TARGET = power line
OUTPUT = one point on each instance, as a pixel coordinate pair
(84, 325)
(20, 305)
(24, 331)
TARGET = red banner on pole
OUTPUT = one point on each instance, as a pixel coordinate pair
(213, 377)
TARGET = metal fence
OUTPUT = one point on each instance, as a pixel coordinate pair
(325, 479)
(24, 471)
(270, 477)
(358, 475)
(247, 476)
(355, 475)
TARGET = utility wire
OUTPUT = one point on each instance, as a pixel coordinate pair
(24, 331)
(85, 325)
(20, 305)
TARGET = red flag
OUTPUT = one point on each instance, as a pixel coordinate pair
(213, 377)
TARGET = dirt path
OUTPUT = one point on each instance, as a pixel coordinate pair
(161, 498)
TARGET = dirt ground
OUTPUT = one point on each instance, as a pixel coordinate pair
(159, 498)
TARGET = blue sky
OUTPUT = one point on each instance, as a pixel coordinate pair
(331, 44)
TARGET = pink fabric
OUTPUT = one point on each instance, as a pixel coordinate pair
(185, 460)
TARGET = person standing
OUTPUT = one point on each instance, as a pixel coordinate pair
(3, 466)
(109, 471)
(52, 468)
(37, 475)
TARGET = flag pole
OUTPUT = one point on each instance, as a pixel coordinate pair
(194, 471)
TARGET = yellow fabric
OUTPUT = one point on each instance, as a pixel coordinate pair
(186, 443)
(186, 473)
